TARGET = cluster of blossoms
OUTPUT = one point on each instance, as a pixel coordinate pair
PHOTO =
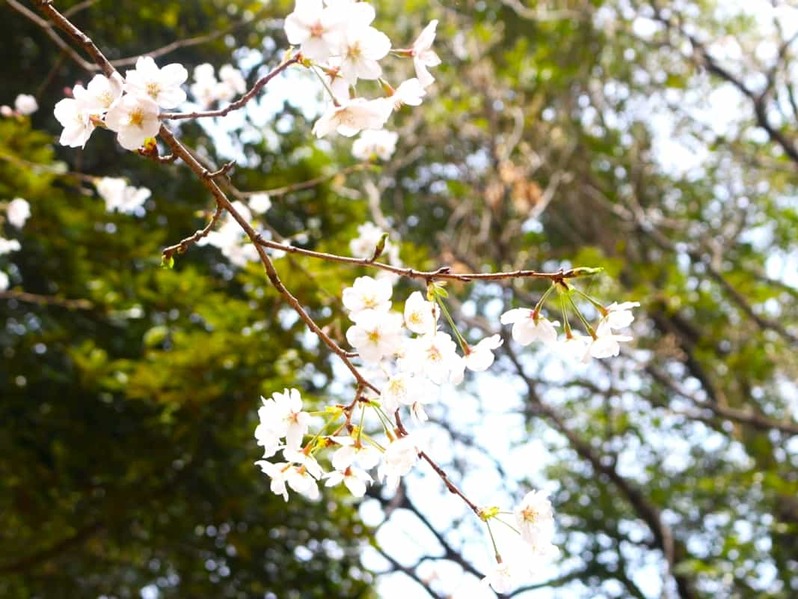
(24, 105)
(371, 144)
(409, 350)
(283, 426)
(337, 38)
(129, 107)
(120, 196)
(602, 341)
(208, 90)
(409, 358)
(17, 212)
(533, 519)
(409, 355)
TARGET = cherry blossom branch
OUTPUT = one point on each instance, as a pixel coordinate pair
(454, 489)
(449, 484)
(223, 204)
(150, 123)
(179, 150)
(441, 274)
(259, 85)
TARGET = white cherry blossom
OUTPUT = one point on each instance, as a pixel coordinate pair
(259, 202)
(534, 518)
(619, 316)
(527, 328)
(405, 389)
(306, 461)
(421, 316)
(351, 117)
(278, 473)
(17, 212)
(101, 93)
(375, 143)
(119, 195)
(376, 335)
(395, 392)
(292, 475)
(4, 281)
(232, 83)
(368, 236)
(361, 49)
(367, 293)
(410, 93)
(354, 451)
(205, 86)
(576, 346)
(25, 104)
(281, 415)
(501, 578)
(317, 30)
(335, 79)
(606, 344)
(160, 84)
(434, 356)
(480, 357)
(398, 459)
(355, 479)
(423, 54)
(8, 245)
(75, 119)
(134, 119)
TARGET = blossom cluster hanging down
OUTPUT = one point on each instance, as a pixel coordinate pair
(408, 354)
(533, 520)
(338, 39)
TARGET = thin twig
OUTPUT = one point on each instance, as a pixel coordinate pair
(178, 149)
(441, 274)
(181, 247)
(259, 84)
